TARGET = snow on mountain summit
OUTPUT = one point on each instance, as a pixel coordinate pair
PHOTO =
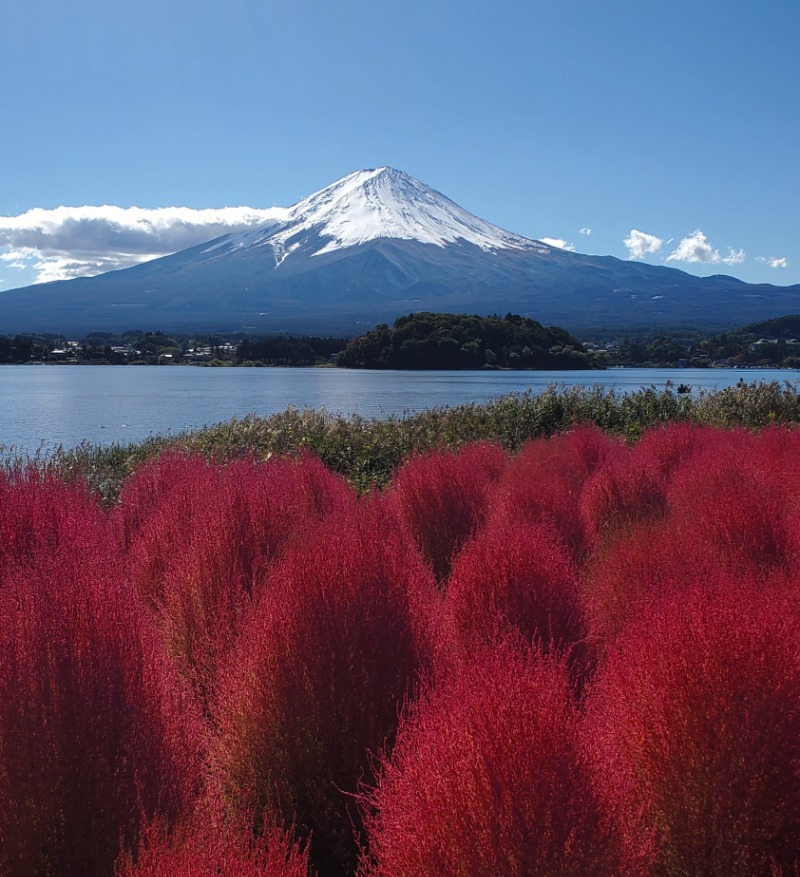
(371, 204)
(387, 203)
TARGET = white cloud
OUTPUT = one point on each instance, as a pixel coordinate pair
(586, 231)
(14, 259)
(696, 248)
(70, 242)
(641, 244)
(773, 262)
(559, 243)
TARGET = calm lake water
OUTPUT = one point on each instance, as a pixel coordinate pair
(44, 406)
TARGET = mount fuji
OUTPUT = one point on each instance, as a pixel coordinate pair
(372, 246)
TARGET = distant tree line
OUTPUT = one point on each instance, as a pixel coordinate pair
(459, 341)
(771, 343)
(427, 341)
(22, 348)
(288, 350)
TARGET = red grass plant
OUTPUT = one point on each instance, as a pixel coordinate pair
(776, 454)
(543, 483)
(514, 579)
(213, 844)
(441, 498)
(199, 550)
(39, 513)
(664, 448)
(725, 515)
(722, 500)
(318, 676)
(94, 736)
(651, 561)
(694, 723)
(486, 779)
(624, 491)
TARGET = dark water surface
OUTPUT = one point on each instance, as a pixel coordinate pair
(61, 404)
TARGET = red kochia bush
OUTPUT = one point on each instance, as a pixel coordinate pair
(665, 448)
(517, 578)
(441, 498)
(624, 491)
(695, 726)
(267, 505)
(211, 844)
(732, 508)
(650, 562)
(318, 676)
(39, 513)
(486, 779)
(197, 551)
(545, 480)
(93, 734)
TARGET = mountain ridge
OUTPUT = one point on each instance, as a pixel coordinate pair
(372, 246)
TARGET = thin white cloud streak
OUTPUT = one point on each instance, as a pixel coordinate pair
(641, 244)
(773, 262)
(585, 231)
(696, 248)
(70, 242)
(559, 243)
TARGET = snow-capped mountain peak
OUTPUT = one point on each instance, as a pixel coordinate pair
(372, 204)
(372, 246)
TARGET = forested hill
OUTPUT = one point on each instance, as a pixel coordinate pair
(455, 341)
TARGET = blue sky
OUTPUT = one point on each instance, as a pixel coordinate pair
(667, 132)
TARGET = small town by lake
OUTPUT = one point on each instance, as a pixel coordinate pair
(52, 405)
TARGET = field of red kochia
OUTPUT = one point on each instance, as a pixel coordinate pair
(580, 659)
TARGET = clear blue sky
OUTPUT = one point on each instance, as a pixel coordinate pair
(678, 120)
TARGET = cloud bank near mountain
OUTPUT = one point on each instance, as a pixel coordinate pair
(67, 242)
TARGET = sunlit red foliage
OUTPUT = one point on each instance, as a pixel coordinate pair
(196, 552)
(39, 514)
(605, 634)
(95, 734)
(212, 843)
(624, 491)
(511, 579)
(725, 514)
(694, 723)
(319, 674)
(651, 561)
(441, 497)
(486, 778)
(543, 483)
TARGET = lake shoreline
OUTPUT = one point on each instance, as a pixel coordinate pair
(106, 404)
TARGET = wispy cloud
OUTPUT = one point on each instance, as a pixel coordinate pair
(773, 261)
(559, 243)
(70, 242)
(641, 244)
(696, 248)
(586, 231)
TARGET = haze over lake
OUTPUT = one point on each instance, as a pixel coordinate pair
(52, 405)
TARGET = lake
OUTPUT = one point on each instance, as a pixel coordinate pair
(50, 405)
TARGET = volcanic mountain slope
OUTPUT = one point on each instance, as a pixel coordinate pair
(370, 247)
